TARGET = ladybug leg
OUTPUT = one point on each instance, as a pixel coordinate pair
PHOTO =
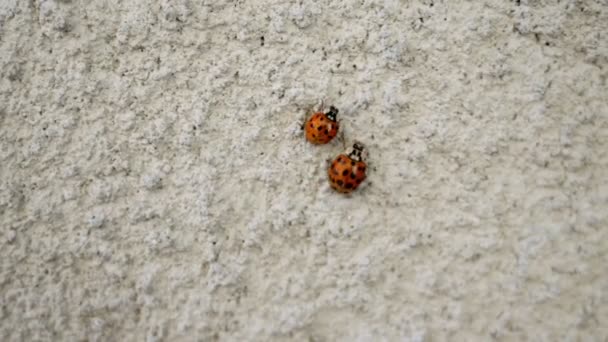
(322, 106)
(342, 140)
(308, 111)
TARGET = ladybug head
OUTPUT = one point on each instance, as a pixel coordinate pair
(332, 113)
(357, 152)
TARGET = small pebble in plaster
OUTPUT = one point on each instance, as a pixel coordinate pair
(321, 127)
(347, 171)
(10, 236)
(96, 220)
(152, 181)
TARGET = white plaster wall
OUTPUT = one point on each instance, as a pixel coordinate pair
(155, 183)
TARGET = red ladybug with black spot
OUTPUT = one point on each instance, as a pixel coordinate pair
(347, 171)
(321, 128)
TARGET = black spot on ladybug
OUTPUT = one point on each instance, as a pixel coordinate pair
(345, 172)
(359, 181)
(352, 163)
(349, 185)
(319, 128)
(362, 168)
(352, 176)
(314, 136)
(311, 125)
(340, 182)
(327, 132)
(322, 119)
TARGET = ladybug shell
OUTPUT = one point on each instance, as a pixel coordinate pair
(346, 174)
(320, 129)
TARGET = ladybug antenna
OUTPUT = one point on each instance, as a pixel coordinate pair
(332, 114)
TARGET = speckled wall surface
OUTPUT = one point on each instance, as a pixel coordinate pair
(155, 183)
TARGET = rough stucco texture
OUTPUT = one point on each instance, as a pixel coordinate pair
(155, 183)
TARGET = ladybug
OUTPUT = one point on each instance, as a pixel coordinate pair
(321, 128)
(347, 171)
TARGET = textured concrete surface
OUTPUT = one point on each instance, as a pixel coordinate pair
(155, 184)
